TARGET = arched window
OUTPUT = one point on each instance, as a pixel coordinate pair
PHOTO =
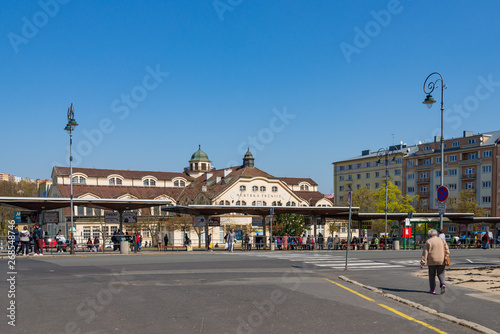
(255, 188)
(179, 183)
(238, 203)
(304, 187)
(228, 203)
(83, 180)
(243, 203)
(275, 189)
(243, 188)
(253, 203)
(264, 203)
(274, 203)
(262, 188)
(221, 203)
(75, 179)
(115, 180)
(149, 182)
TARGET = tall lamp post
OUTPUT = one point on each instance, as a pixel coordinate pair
(70, 127)
(429, 86)
(386, 153)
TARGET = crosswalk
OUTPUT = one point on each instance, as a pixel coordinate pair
(326, 261)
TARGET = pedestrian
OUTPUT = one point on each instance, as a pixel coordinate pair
(231, 238)
(24, 237)
(165, 240)
(486, 240)
(89, 244)
(139, 241)
(210, 242)
(38, 237)
(433, 254)
(187, 241)
(96, 244)
(158, 242)
(336, 242)
(285, 242)
(15, 233)
(441, 234)
(304, 242)
(329, 242)
(60, 239)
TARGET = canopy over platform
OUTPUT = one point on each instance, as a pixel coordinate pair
(47, 203)
(210, 210)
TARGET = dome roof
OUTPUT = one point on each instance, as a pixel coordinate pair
(248, 155)
(199, 155)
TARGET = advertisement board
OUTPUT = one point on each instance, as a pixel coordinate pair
(111, 217)
(198, 221)
(130, 217)
(214, 221)
(51, 217)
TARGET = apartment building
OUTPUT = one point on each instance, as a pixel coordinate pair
(470, 162)
(370, 169)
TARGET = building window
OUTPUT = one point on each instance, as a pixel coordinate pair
(438, 173)
(486, 199)
(349, 167)
(452, 158)
(341, 188)
(376, 185)
(115, 180)
(80, 210)
(411, 189)
(274, 189)
(377, 174)
(255, 188)
(75, 179)
(368, 185)
(455, 144)
(486, 184)
(349, 177)
(341, 168)
(469, 170)
(243, 188)
(427, 161)
(427, 148)
(304, 187)
(452, 172)
(397, 172)
(368, 164)
(452, 186)
(411, 176)
(473, 141)
(367, 175)
(469, 185)
(84, 180)
(262, 188)
(179, 183)
(424, 175)
(238, 203)
(486, 169)
(358, 186)
(452, 229)
(438, 160)
(411, 163)
(397, 183)
(221, 203)
(95, 232)
(472, 156)
(486, 154)
(424, 189)
(358, 176)
(341, 198)
(358, 166)
(243, 203)
(86, 232)
(88, 211)
(149, 182)
(341, 178)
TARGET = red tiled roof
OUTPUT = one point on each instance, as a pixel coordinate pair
(310, 196)
(132, 174)
(297, 180)
(118, 191)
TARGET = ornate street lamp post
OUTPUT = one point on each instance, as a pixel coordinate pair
(386, 153)
(70, 127)
(429, 101)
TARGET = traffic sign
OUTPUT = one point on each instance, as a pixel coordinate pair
(442, 208)
(442, 193)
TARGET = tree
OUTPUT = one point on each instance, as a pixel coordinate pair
(364, 198)
(466, 203)
(289, 223)
(23, 188)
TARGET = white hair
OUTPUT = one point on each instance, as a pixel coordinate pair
(432, 233)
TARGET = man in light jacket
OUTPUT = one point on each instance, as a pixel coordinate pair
(433, 254)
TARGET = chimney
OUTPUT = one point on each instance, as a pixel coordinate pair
(468, 134)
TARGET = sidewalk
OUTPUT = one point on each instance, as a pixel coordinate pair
(463, 303)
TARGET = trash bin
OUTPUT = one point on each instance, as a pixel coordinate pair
(396, 244)
(124, 247)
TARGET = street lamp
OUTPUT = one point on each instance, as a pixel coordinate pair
(386, 153)
(429, 101)
(70, 127)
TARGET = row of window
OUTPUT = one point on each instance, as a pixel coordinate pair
(358, 186)
(118, 181)
(451, 172)
(451, 186)
(368, 175)
(451, 158)
(368, 164)
(256, 188)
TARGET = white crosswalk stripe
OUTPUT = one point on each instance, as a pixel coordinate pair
(328, 261)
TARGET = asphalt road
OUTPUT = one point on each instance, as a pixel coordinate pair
(257, 292)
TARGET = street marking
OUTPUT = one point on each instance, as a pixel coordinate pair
(389, 308)
(469, 261)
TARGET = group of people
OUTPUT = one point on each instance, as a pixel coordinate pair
(24, 240)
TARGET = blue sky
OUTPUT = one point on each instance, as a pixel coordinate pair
(302, 83)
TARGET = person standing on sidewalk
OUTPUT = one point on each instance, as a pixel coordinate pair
(38, 237)
(231, 237)
(433, 254)
(24, 237)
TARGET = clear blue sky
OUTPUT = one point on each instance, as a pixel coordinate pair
(347, 75)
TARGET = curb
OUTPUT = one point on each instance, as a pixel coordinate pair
(466, 323)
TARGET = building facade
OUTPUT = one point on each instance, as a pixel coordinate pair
(200, 183)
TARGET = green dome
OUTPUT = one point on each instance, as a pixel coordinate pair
(199, 155)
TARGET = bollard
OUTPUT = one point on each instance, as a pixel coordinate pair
(366, 246)
(124, 247)
(396, 244)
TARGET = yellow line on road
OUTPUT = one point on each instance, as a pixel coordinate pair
(389, 308)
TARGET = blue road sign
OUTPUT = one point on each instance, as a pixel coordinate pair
(442, 193)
